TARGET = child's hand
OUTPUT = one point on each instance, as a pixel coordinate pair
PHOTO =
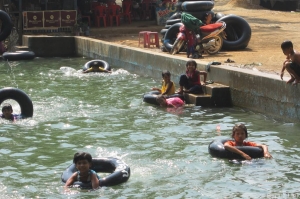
(247, 157)
(281, 75)
(267, 155)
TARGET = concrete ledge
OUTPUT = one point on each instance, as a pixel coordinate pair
(25, 48)
(198, 100)
(215, 95)
(256, 91)
(50, 46)
(220, 94)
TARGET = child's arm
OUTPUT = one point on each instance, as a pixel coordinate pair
(156, 89)
(88, 70)
(283, 67)
(95, 181)
(71, 180)
(170, 84)
(265, 149)
(235, 150)
(104, 70)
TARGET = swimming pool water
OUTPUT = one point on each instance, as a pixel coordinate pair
(104, 115)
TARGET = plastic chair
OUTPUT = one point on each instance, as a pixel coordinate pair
(114, 13)
(146, 8)
(126, 11)
(100, 14)
(85, 17)
(144, 36)
(153, 39)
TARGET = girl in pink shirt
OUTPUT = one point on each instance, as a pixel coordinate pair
(170, 102)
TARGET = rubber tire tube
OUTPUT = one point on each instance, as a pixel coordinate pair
(97, 62)
(163, 31)
(176, 15)
(6, 25)
(173, 21)
(198, 14)
(171, 36)
(167, 26)
(238, 32)
(20, 97)
(18, 55)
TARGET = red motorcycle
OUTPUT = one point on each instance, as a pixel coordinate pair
(209, 40)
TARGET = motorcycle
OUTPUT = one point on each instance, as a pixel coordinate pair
(209, 40)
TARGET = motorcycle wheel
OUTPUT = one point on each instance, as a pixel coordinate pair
(177, 46)
(217, 47)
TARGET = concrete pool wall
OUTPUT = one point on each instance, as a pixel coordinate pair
(253, 90)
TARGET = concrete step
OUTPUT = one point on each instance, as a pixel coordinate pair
(215, 95)
(20, 48)
(220, 94)
(198, 100)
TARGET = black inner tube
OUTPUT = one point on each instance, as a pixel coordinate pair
(100, 63)
(6, 25)
(120, 172)
(216, 149)
(20, 97)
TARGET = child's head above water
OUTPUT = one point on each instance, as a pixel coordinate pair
(166, 73)
(82, 156)
(7, 106)
(161, 100)
(237, 127)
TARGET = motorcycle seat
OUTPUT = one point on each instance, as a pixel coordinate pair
(211, 27)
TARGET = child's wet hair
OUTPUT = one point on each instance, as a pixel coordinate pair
(7, 106)
(239, 126)
(286, 44)
(160, 98)
(82, 156)
(191, 62)
(166, 72)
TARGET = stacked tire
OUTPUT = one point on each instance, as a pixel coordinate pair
(237, 29)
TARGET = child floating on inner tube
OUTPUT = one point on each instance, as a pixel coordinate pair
(168, 86)
(170, 102)
(96, 69)
(7, 111)
(239, 134)
(83, 163)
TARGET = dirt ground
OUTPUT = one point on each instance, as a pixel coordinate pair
(269, 29)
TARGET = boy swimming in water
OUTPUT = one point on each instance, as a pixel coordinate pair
(83, 163)
(7, 111)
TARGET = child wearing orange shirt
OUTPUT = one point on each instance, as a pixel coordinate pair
(239, 134)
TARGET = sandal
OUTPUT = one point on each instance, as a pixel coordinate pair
(207, 67)
(209, 82)
(229, 61)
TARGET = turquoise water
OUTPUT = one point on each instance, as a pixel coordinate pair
(104, 115)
